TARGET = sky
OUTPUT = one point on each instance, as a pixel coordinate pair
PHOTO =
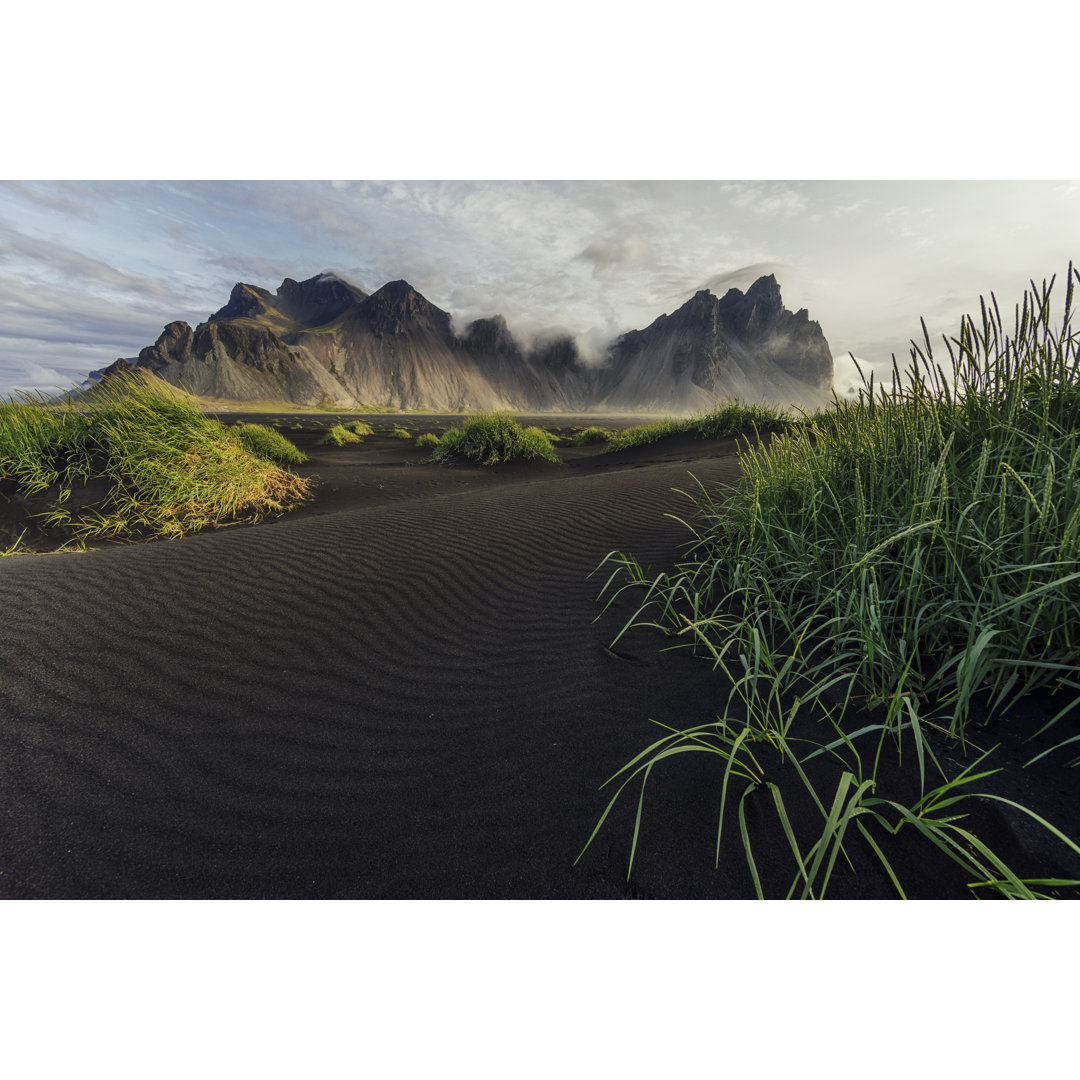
(92, 270)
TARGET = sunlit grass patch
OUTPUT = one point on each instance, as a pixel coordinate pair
(727, 419)
(266, 443)
(591, 435)
(339, 435)
(646, 434)
(172, 470)
(492, 438)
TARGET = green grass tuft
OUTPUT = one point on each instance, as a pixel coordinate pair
(266, 443)
(492, 438)
(591, 435)
(727, 419)
(358, 427)
(338, 435)
(172, 469)
(429, 440)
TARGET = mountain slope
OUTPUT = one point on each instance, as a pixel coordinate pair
(747, 346)
(325, 342)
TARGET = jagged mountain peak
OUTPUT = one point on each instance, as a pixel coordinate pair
(746, 345)
(325, 341)
(699, 309)
(397, 306)
(755, 312)
(319, 299)
(491, 336)
(766, 286)
(397, 292)
(327, 282)
(245, 302)
(559, 351)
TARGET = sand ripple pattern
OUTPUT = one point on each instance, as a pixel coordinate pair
(405, 700)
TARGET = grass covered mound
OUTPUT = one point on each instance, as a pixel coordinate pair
(169, 469)
(591, 435)
(727, 419)
(270, 445)
(339, 435)
(493, 438)
(884, 568)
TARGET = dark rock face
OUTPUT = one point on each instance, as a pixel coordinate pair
(747, 346)
(491, 338)
(559, 354)
(324, 341)
(174, 343)
(261, 348)
(245, 302)
(398, 310)
(318, 300)
(759, 318)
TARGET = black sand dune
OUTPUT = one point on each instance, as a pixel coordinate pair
(398, 691)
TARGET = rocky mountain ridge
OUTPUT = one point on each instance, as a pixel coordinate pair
(326, 342)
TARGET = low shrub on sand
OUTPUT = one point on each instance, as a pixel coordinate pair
(358, 427)
(882, 570)
(270, 445)
(339, 435)
(400, 433)
(172, 469)
(727, 419)
(428, 440)
(492, 438)
(591, 435)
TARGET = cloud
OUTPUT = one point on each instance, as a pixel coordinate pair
(27, 364)
(47, 261)
(52, 198)
(911, 224)
(255, 270)
(744, 277)
(615, 252)
(60, 316)
(770, 199)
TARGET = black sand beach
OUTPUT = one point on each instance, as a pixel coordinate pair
(399, 690)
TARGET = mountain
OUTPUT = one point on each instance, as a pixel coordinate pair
(325, 342)
(747, 346)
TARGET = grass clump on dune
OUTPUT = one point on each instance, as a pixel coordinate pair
(590, 435)
(42, 443)
(171, 469)
(429, 440)
(270, 445)
(339, 435)
(727, 419)
(644, 434)
(914, 552)
(358, 427)
(493, 438)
